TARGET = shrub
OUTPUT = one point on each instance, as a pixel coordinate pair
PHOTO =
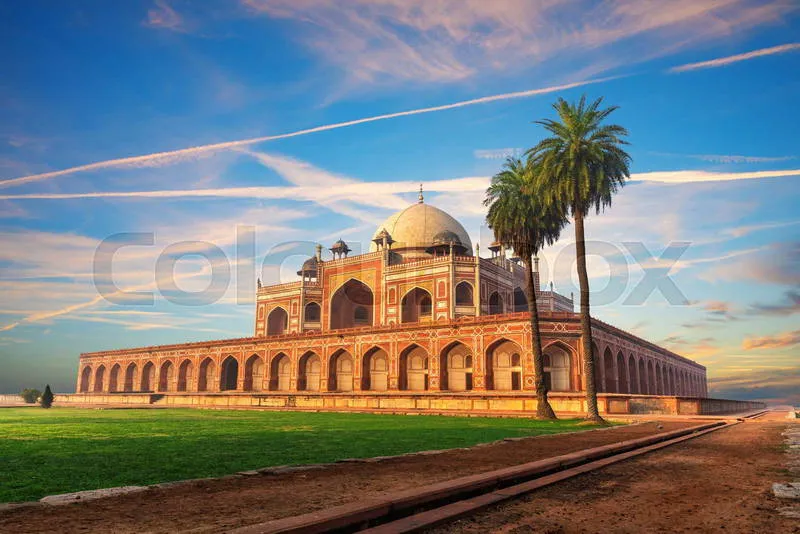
(47, 397)
(30, 395)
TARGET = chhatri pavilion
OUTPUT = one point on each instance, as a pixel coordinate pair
(419, 321)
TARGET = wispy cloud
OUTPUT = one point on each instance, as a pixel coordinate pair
(451, 40)
(788, 306)
(721, 62)
(164, 16)
(187, 154)
(498, 153)
(682, 177)
(719, 158)
(780, 341)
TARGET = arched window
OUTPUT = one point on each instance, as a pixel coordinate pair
(425, 306)
(495, 303)
(277, 322)
(416, 306)
(312, 312)
(464, 294)
(520, 300)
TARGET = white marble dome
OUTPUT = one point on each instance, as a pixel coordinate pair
(418, 226)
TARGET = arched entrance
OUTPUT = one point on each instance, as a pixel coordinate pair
(254, 373)
(131, 377)
(148, 377)
(375, 370)
(277, 322)
(557, 365)
(414, 369)
(417, 306)
(86, 377)
(495, 303)
(340, 372)
(185, 375)
(633, 379)
(608, 372)
(166, 377)
(99, 379)
(651, 379)
(113, 378)
(504, 366)
(457, 360)
(622, 374)
(229, 374)
(309, 372)
(351, 305)
(520, 300)
(280, 373)
(205, 378)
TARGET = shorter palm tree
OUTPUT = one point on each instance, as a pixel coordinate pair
(520, 222)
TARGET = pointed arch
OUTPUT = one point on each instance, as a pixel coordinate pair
(205, 376)
(341, 369)
(148, 376)
(352, 304)
(254, 373)
(131, 377)
(113, 378)
(651, 378)
(229, 374)
(86, 378)
(520, 300)
(185, 375)
(309, 372)
(504, 366)
(608, 371)
(643, 388)
(375, 370)
(277, 321)
(414, 368)
(622, 374)
(599, 368)
(457, 359)
(312, 313)
(416, 306)
(280, 372)
(496, 303)
(166, 376)
(633, 373)
(99, 378)
(558, 358)
(464, 294)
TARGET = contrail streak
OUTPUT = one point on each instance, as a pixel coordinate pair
(351, 191)
(719, 62)
(161, 158)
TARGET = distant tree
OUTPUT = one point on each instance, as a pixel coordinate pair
(47, 397)
(30, 395)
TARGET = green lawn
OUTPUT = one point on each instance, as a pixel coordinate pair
(43, 452)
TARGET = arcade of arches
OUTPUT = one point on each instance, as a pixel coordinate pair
(504, 366)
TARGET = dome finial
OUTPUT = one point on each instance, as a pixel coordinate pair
(420, 194)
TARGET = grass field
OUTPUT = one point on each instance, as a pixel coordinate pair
(44, 452)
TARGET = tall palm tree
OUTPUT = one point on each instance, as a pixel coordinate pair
(522, 223)
(579, 168)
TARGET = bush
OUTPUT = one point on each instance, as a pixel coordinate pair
(47, 397)
(30, 395)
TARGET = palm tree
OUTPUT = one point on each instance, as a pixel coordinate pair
(578, 168)
(522, 223)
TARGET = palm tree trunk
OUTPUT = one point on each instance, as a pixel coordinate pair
(586, 322)
(543, 408)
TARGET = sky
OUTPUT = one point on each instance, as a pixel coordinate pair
(158, 156)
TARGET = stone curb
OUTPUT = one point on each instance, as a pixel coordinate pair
(89, 495)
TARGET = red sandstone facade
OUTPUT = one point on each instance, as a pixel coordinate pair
(418, 313)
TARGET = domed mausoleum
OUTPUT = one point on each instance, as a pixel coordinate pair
(408, 325)
(419, 229)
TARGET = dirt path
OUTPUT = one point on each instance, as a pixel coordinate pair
(716, 483)
(223, 504)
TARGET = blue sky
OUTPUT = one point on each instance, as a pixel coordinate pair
(182, 110)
